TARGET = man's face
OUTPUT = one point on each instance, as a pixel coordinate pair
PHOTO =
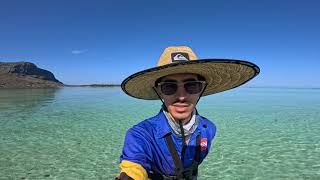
(180, 104)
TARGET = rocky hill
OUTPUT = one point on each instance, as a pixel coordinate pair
(26, 75)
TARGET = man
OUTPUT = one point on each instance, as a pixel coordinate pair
(172, 144)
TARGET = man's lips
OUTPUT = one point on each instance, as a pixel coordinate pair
(181, 107)
(181, 104)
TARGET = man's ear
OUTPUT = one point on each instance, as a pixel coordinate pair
(159, 94)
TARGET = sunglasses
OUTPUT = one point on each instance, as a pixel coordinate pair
(191, 87)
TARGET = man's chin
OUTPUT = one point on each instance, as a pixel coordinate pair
(181, 116)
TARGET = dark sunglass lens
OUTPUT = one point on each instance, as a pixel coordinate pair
(169, 88)
(193, 87)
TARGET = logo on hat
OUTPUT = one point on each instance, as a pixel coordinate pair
(179, 57)
(204, 144)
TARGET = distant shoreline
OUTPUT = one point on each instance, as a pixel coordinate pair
(282, 87)
(94, 85)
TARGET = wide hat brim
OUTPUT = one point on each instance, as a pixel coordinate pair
(220, 75)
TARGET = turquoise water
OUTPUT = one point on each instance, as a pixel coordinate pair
(77, 133)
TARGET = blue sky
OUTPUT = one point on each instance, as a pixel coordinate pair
(86, 42)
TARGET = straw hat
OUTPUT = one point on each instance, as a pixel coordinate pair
(220, 74)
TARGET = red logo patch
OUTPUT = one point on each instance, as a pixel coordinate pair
(204, 144)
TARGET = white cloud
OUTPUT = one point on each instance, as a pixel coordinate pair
(81, 51)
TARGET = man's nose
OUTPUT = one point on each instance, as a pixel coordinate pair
(181, 92)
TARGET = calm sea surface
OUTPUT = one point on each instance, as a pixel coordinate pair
(77, 133)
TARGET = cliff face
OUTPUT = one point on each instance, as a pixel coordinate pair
(26, 75)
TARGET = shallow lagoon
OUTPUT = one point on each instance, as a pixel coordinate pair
(77, 133)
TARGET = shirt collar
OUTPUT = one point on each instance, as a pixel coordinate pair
(188, 128)
(163, 128)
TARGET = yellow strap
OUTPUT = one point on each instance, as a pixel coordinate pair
(134, 170)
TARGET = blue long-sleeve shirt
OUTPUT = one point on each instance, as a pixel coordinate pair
(145, 144)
